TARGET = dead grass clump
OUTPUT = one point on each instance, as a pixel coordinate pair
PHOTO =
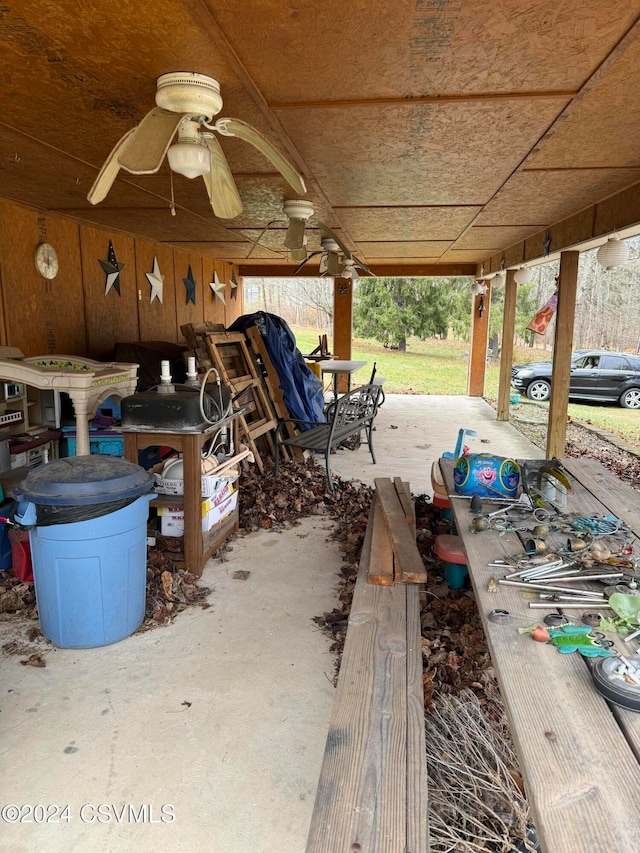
(476, 798)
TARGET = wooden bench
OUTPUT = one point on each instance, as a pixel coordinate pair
(372, 790)
(351, 414)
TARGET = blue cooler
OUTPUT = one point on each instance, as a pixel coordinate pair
(90, 574)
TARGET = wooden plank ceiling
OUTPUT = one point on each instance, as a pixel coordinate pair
(428, 131)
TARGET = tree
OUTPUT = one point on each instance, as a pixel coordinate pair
(391, 309)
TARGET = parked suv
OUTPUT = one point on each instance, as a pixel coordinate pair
(596, 375)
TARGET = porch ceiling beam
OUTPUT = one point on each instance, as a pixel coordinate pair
(381, 270)
(423, 99)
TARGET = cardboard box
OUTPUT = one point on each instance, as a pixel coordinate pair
(213, 510)
(211, 484)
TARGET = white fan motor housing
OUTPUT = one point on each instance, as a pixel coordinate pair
(298, 208)
(189, 93)
(329, 245)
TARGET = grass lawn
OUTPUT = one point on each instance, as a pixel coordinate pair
(440, 367)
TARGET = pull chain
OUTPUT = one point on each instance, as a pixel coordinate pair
(173, 204)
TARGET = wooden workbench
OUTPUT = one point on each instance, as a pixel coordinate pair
(579, 756)
(198, 547)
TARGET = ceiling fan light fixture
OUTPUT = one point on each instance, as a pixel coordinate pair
(189, 159)
(613, 253)
(189, 156)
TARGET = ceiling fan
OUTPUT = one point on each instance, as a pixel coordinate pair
(298, 212)
(333, 249)
(186, 104)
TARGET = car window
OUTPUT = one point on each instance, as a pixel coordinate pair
(613, 362)
(587, 361)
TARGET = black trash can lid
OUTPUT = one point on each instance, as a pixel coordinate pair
(79, 480)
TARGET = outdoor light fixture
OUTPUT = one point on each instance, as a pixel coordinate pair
(478, 288)
(189, 156)
(613, 253)
(499, 279)
(522, 276)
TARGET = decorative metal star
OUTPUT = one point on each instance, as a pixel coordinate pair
(547, 246)
(234, 285)
(156, 280)
(218, 287)
(190, 286)
(112, 269)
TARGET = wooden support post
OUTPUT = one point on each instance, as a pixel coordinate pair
(506, 351)
(563, 343)
(342, 324)
(479, 338)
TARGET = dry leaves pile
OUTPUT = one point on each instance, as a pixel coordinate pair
(300, 489)
(583, 442)
(16, 597)
(455, 655)
(169, 589)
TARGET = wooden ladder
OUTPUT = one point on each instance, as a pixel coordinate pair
(272, 381)
(228, 353)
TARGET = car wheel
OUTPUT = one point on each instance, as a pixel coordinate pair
(539, 390)
(630, 399)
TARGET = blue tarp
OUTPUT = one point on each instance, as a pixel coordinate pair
(302, 389)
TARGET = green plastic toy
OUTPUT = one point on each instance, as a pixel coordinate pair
(577, 638)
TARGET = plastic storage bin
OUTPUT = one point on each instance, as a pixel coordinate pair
(101, 443)
(90, 575)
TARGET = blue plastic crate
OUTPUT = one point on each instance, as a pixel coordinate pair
(100, 444)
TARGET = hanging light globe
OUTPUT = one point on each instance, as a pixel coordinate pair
(499, 279)
(522, 276)
(613, 253)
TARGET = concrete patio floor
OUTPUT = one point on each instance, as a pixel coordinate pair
(108, 732)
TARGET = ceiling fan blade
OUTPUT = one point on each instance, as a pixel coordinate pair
(324, 263)
(108, 173)
(295, 234)
(298, 254)
(361, 265)
(236, 127)
(223, 192)
(146, 149)
(333, 263)
(306, 260)
(335, 237)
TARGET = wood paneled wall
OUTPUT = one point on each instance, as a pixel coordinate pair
(73, 314)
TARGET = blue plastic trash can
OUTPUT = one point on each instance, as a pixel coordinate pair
(90, 575)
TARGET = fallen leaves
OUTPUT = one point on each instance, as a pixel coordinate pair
(16, 597)
(170, 589)
(34, 660)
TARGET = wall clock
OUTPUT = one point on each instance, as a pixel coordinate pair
(46, 261)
